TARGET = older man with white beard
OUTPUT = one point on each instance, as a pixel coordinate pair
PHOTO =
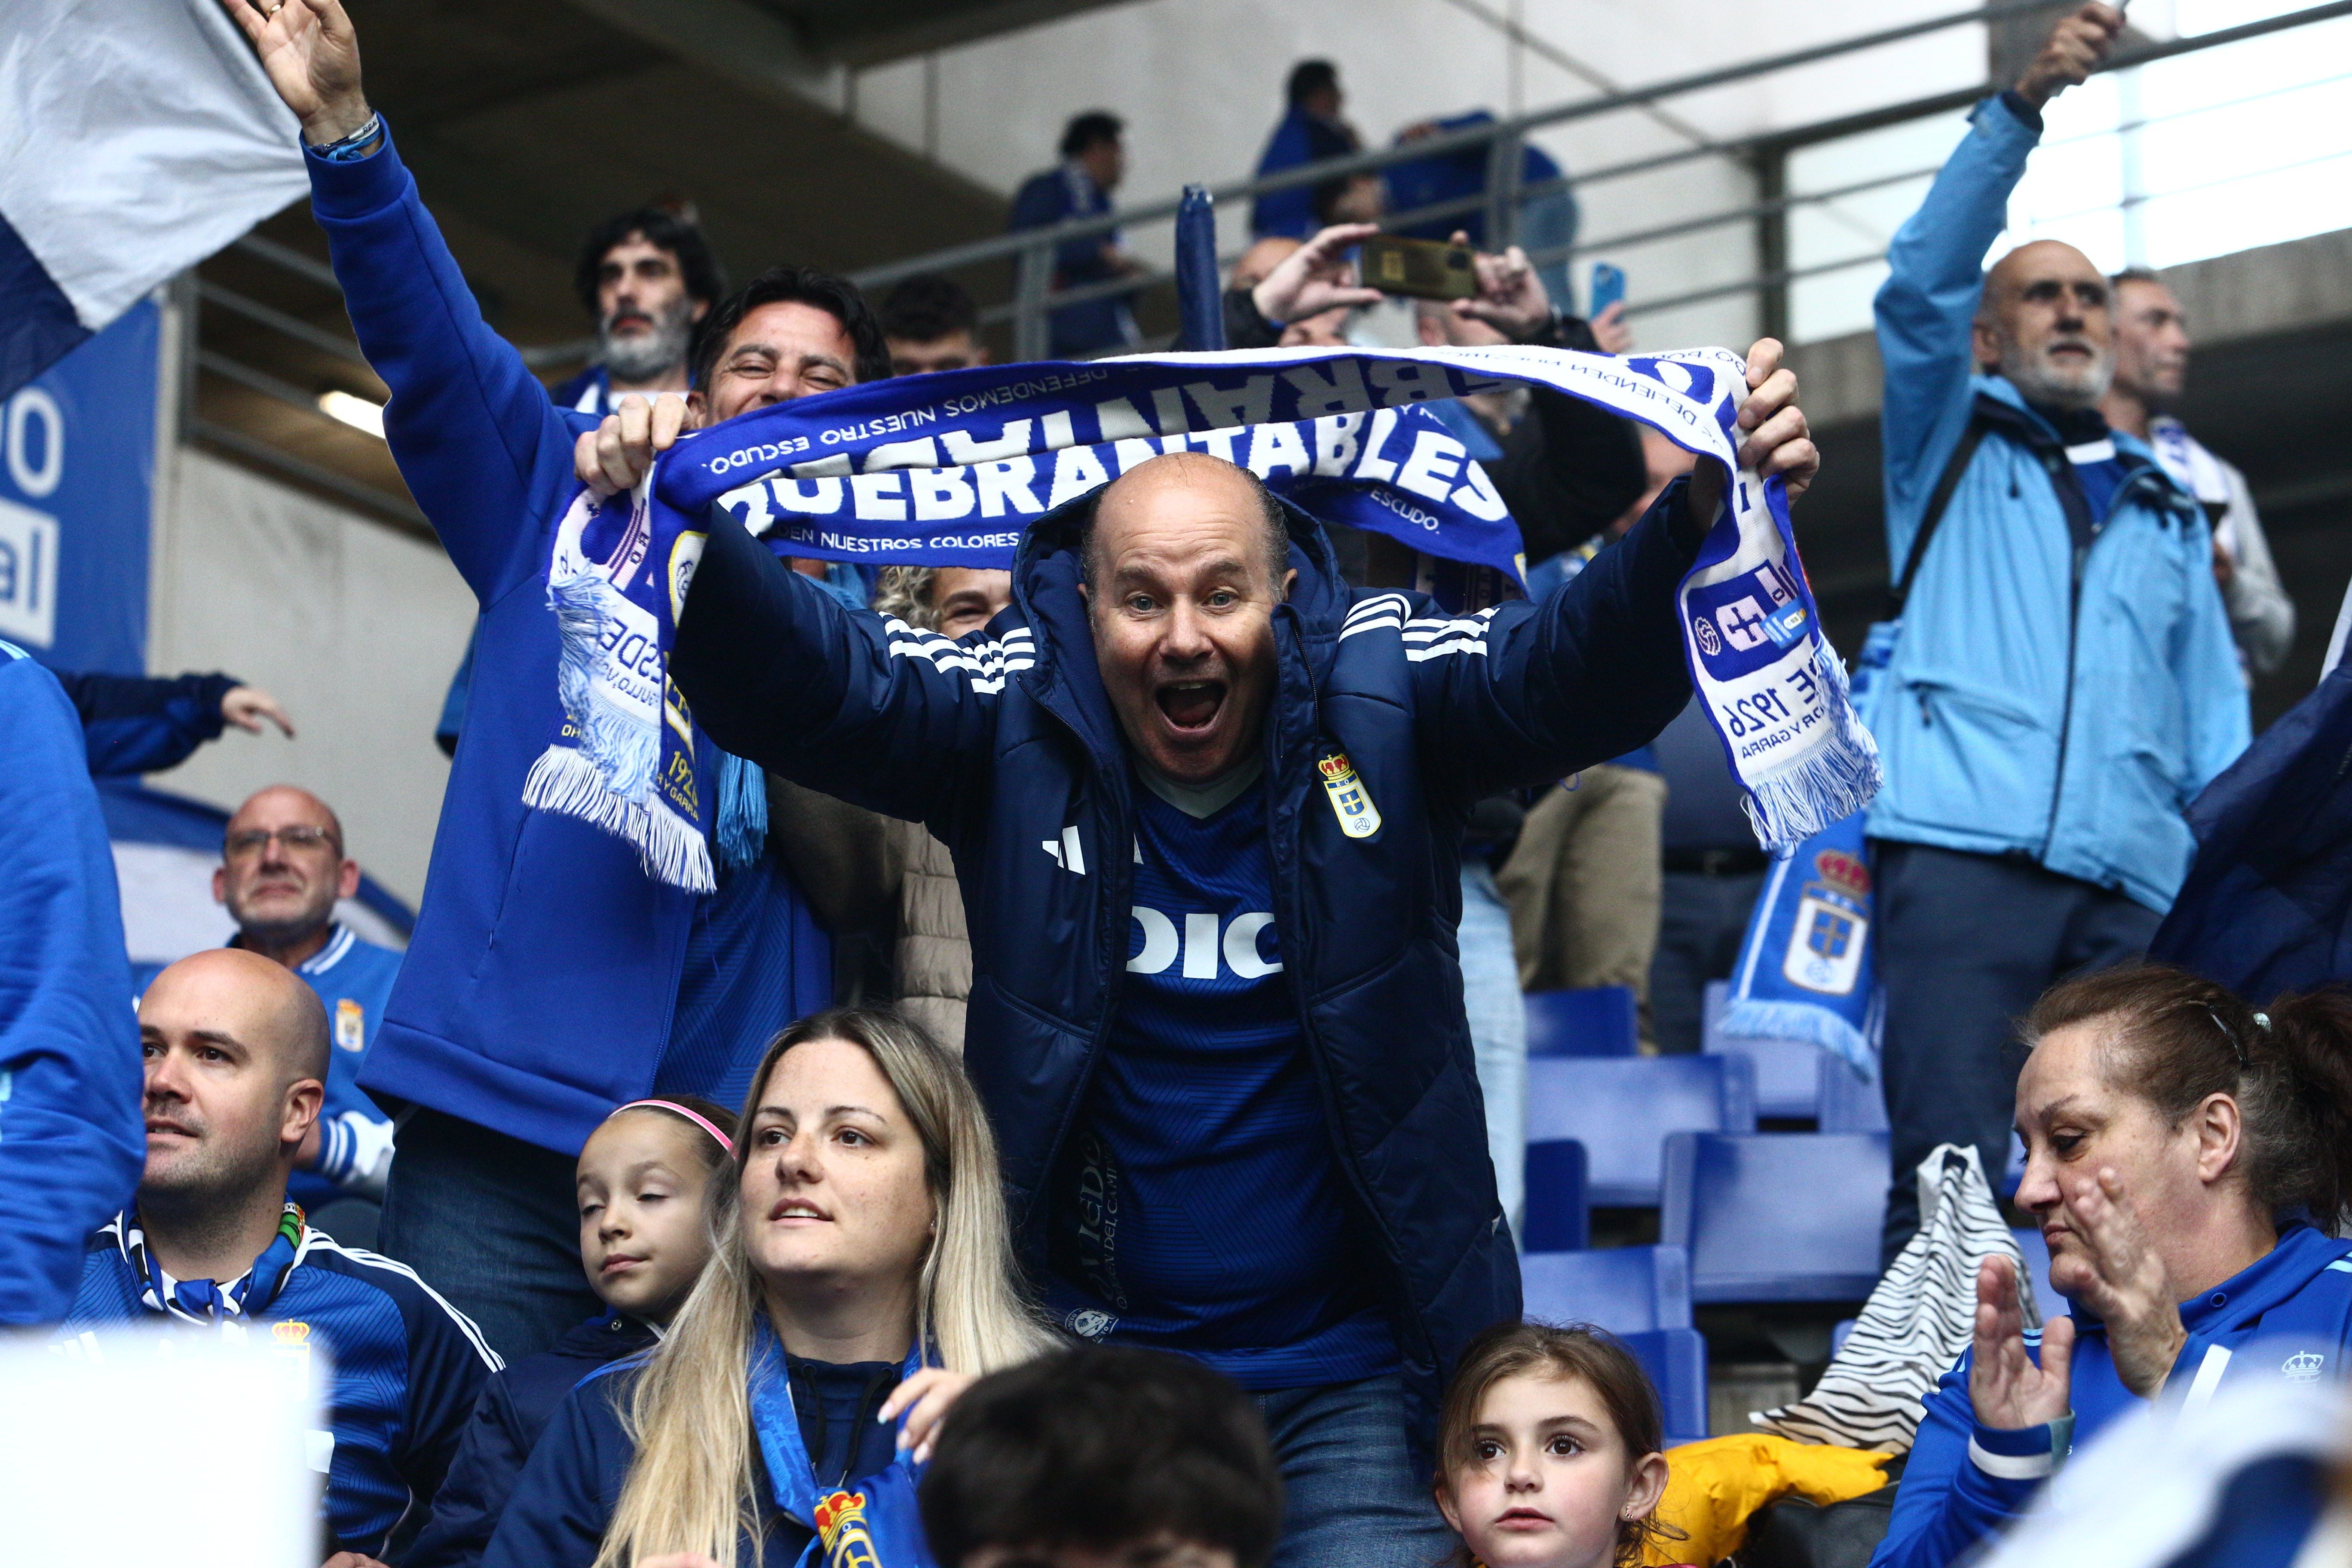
(2062, 681)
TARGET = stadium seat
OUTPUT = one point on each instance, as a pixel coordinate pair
(1622, 1107)
(1625, 1290)
(1559, 1216)
(1849, 1102)
(1788, 1072)
(1675, 1360)
(1775, 1216)
(1594, 1021)
(1641, 1294)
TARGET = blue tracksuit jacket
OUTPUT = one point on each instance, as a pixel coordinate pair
(1005, 746)
(131, 724)
(407, 1367)
(514, 1409)
(73, 1140)
(1965, 1480)
(354, 979)
(2059, 689)
(540, 987)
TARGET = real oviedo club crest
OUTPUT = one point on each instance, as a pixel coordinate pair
(1359, 817)
(1825, 943)
(841, 1525)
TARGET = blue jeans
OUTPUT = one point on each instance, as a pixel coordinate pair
(493, 1224)
(1499, 1030)
(1352, 1496)
(1966, 942)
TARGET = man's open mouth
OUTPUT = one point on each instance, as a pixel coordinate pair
(1190, 704)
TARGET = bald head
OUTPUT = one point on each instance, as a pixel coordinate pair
(1192, 492)
(263, 1005)
(1186, 562)
(2045, 323)
(235, 1047)
(282, 868)
(1258, 262)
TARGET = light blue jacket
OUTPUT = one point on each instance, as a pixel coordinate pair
(2039, 700)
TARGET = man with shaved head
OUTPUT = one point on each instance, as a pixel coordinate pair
(2061, 682)
(1206, 803)
(235, 1052)
(282, 871)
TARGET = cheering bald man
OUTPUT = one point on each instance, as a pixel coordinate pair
(2063, 682)
(1206, 806)
(236, 1051)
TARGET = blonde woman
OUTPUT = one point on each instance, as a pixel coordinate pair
(861, 1277)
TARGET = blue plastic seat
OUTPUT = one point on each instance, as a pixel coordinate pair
(1775, 1216)
(1621, 1108)
(1558, 1216)
(1625, 1290)
(1788, 1072)
(1850, 1102)
(1675, 1360)
(1594, 1021)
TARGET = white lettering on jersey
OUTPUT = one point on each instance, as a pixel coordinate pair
(1201, 946)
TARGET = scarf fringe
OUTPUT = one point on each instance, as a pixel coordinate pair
(742, 811)
(565, 780)
(1829, 785)
(1750, 1019)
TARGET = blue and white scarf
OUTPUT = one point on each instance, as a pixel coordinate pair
(873, 1523)
(949, 470)
(1807, 967)
(207, 1301)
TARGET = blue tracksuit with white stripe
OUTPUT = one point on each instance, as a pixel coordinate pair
(354, 978)
(1387, 722)
(407, 1367)
(1966, 1480)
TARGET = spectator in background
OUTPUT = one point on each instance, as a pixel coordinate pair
(1093, 161)
(1714, 869)
(1308, 309)
(282, 871)
(2179, 1147)
(646, 277)
(1547, 217)
(931, 324)
(236, 1051)
(2063, 682)
(70, 1143)
(131, 724)
(2151, 367)
(1310, 130)
(1103, 1457)
(550, 978)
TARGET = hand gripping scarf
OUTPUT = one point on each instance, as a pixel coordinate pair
(948, 470)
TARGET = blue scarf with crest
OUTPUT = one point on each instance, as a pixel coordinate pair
(948, 470)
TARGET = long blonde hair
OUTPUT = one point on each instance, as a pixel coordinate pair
(693, 1486)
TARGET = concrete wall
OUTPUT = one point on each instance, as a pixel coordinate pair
(353, 626)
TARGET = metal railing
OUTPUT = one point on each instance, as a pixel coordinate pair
(1501, 202)
(1033, 296)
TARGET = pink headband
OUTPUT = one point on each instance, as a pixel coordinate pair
(675, 1109)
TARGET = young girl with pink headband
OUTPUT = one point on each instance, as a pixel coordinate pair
(644, 1177)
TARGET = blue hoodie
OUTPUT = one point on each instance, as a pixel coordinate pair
(2064, 682)
(72, 1138)
(547, 970)
(1966, 1480)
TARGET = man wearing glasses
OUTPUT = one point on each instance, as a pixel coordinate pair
(282, 871)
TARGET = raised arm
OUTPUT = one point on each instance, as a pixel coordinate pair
(1927, 308)
(866, 710)
(1529, 692)
(481, 448)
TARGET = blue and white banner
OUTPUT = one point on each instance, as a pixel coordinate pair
(77, 494)
(1805, 969)
(137, 137)
(950, 468)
